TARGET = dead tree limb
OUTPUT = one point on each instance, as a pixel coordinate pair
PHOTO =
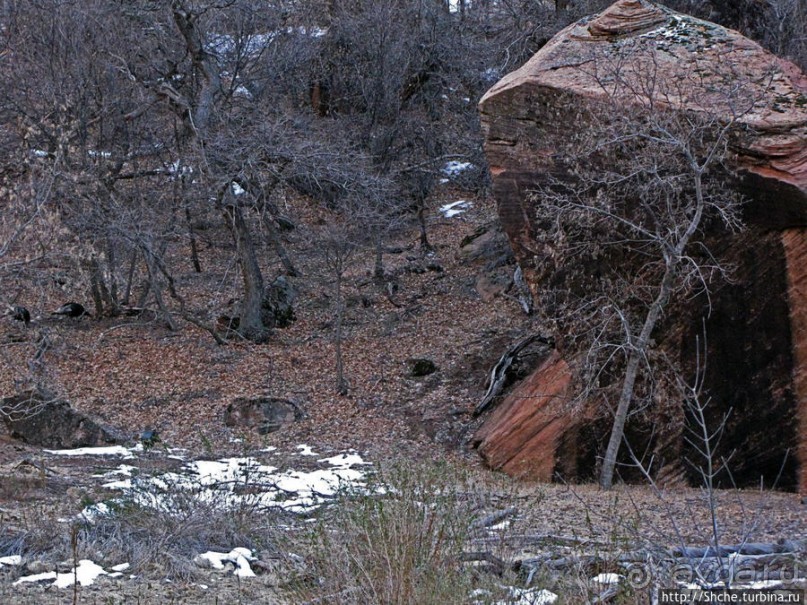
(494, 518)
(523, 290)
(498, 376)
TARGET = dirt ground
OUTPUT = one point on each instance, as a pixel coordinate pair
(134, 375)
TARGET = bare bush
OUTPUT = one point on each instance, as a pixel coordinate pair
(401, 542)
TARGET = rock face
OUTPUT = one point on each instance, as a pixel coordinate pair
(535, 417)
(757, 329)
(53, 423)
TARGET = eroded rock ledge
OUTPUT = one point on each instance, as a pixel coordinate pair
(758, 325)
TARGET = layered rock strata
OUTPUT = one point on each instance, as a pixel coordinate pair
(758, 324)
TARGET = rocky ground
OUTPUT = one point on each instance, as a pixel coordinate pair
(452, 308)
(43, 493)
(136, 374)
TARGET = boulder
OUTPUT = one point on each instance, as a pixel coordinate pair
(278, 303)
(488, 250)
(757, 328)
(521, 436)
(51, 422)
(264, 414)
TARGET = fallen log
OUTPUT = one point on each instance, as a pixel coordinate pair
(494, 518)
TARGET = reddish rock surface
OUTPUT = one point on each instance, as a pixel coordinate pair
(795, 243)
(759, 354)
(534, 415)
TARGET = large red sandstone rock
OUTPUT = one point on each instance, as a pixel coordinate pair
(758, 354)
(534, 416)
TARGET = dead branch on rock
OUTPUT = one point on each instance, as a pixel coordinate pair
(498, 376)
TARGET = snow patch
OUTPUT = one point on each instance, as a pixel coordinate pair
(536, 596)
(112, 450)
(455, 208)
(230, 483)
(455, 168)
(305, 450)
(344, 460)
(86, 573)
(38, 577)
(93, 512)
(607, 579)
(10, 560)
(240, 557)
(242, 91)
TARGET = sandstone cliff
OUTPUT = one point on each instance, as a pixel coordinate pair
(758, 323)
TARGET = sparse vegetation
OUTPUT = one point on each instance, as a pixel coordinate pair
(400, 543)
(168, 163)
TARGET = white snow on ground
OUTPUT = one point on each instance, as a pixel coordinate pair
(517, 596)
(672, 30)
(607, 579)
(455, 168)
(86, 573)
(305, 450)
(455, 208)
(38, 577)
(112, 450)
(240, 557)
(344, 460)
(92, 513)
(10, 560)
(178, 167)
(230, 483)
(536, 596)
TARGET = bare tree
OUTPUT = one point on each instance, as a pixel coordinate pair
(624, 224)
(354, 227)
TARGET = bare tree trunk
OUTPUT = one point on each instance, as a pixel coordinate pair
(425, 246)
(155, 287)
(129, 278)
(251, 325)
(197, 266)
(95, 289)
(102, 299)
(112, 263)
(341, 383)
(280, 249)
(378, 270)
(673, 259)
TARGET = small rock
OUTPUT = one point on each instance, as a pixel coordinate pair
(37, 567)
(421, 366)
